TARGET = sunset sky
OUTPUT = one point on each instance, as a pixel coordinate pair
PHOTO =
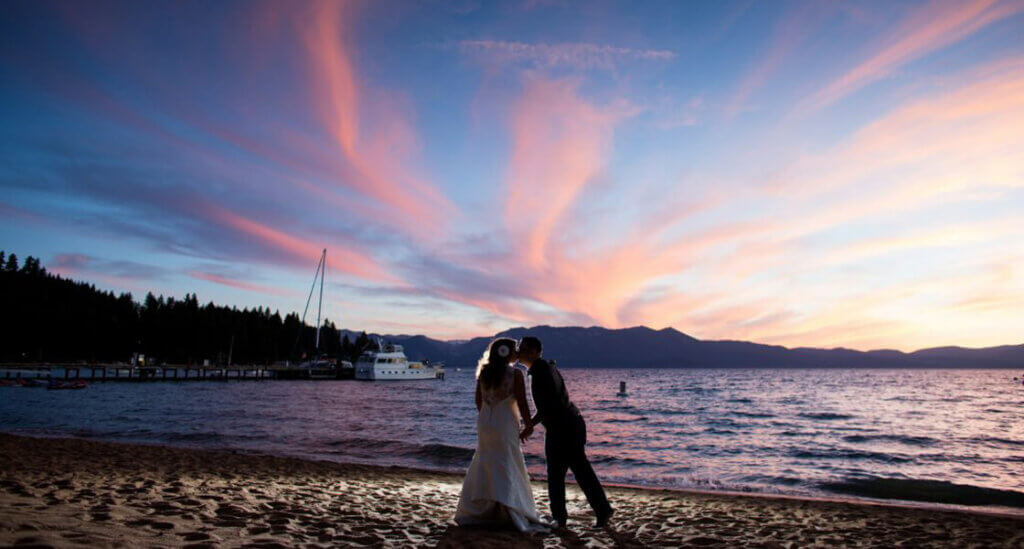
(803, 174)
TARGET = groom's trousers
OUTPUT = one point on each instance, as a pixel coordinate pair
(564, 449)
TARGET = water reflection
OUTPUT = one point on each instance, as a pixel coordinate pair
(792, 431)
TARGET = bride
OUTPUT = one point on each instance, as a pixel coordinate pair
(497, 487)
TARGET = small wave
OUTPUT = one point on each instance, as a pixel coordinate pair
(716, 431)
(444, 452)
(826, 416)
(903, 439)
(90, 433)
(904, 399)
(792, 433)
(616, 460)
(701, 390)
(740, 400)
(194, 437)
(626, 408)
(626, 420)
(723, 422)
(434, 453)
(772, 480)
(357, 442)
(753, 414)
(841, 453)
(996, 440)
(932, 491)
(670, 412)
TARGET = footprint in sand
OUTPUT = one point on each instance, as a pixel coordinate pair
(196, 536)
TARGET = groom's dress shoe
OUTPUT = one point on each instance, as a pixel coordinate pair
(603, 518)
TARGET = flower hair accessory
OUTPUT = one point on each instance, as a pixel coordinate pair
(503, 351)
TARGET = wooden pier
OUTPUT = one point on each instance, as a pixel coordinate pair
(121, 372)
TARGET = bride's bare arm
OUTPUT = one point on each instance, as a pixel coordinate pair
(519, 389)
(479, 397)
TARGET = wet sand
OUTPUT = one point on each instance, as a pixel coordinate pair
(69, 492)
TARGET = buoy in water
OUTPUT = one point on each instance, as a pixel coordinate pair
(622, 389)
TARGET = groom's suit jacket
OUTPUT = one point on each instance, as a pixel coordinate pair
(554, 409)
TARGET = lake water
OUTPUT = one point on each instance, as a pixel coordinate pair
(925, 435)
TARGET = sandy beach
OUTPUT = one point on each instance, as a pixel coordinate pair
(69, 492)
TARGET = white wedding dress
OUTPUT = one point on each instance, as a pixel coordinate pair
(497, 486)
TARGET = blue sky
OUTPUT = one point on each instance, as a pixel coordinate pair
(800, 173)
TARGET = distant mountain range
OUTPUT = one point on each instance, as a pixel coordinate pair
(642, 347)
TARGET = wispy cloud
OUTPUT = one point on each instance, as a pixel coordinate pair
(340, 258)
(577, 55)
(788, 33)
(380, 160)
(240, 284)
(927, 28)
(560, 143)
(114, 273)
(235, 159)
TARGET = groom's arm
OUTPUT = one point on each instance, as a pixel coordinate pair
(543, 387)
(519, 390)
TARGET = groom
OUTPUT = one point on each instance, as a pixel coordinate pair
(565, 438)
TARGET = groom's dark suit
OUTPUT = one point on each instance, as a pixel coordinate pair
(564, 441)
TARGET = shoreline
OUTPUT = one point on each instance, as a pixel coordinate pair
(990, 510)
(67, 491)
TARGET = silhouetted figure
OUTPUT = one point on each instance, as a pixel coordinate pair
(566, 437)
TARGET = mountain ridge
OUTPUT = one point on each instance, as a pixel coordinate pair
(644, 347)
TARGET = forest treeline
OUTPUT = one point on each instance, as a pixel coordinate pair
(49, 318)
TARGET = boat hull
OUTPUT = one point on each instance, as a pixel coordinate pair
(368, 372)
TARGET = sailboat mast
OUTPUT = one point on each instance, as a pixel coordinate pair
(323, 274)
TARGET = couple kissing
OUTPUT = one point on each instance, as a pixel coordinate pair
(496, 490)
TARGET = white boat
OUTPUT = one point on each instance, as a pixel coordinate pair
(388, 362)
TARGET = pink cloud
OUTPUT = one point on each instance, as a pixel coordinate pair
(576, 55)
(927, 151)
(941, 146)
(378, 145)
(69, 264)
(118, 274)
(788, 33)
(339, 258)
(928, 28)
(240, 284)
(560, 143)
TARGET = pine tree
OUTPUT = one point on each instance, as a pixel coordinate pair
(31, 266)
(104, 326)
(362, 343)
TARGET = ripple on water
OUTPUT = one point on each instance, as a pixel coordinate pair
(746, 429)
(825, 416)
(848, 454)
(902, 439)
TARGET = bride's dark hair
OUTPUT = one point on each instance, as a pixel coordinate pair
(496, 358)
